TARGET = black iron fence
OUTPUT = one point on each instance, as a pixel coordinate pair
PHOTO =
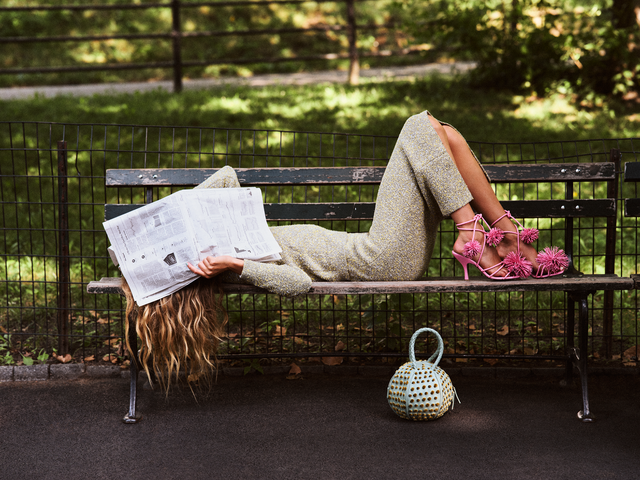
(346, 41)
(52, 195)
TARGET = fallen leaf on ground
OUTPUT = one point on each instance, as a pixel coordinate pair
(90, 358)
(629, 364)
(331, 361)
(632, 352)
(110, 358)
(491, 361)
(339, 346)
(102, 321)
(63, 358)
(295, 369)
(462, 360)
(112, 341)
(280, 330)
(503, 331)
(530, 351)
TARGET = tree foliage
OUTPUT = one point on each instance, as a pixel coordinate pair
(536, 45)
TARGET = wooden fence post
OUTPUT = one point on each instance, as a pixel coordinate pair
(177, 54)
(354, 65)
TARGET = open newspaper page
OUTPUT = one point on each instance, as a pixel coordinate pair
(153, 244)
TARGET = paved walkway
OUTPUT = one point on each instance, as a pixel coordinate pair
(320, 427)
(333, 76)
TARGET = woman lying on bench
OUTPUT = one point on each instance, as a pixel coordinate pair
(432, 173)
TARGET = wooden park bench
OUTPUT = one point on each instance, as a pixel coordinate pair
(577, 285)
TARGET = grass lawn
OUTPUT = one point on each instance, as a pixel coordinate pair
(374, 107)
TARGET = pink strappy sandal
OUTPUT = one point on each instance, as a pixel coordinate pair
(473, 248)
(551, 261)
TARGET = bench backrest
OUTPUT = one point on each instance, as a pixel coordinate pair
(565, 173)
(261, 177)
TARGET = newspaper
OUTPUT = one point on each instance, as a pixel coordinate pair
(153, 244)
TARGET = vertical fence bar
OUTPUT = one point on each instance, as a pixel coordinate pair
(354, 65)
(64, 277)
(177, 54)
(610, 257)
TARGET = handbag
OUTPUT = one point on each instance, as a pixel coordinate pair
(420, 390)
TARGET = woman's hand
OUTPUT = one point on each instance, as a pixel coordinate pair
(212, 266)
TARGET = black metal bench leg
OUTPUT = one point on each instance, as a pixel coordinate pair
(581, 355)
(570, 327)
(132, 416)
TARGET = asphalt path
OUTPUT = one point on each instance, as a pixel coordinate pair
(319, 427)
(305, 78)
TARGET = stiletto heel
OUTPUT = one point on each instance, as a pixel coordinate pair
(551, 261)
(473, 248)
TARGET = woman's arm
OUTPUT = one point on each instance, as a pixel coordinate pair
(280, 279)
(212, 266)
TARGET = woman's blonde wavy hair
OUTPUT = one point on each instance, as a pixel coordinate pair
(179, 331)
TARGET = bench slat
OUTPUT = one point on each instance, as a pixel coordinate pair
(434, 285)
(186, 177)
(285, 211)
(189, 177)
(632, 207)
(632, 172)
(364, 210)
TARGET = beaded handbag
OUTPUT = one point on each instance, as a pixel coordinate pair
(420, 390)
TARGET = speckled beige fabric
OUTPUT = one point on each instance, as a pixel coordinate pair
(420, 186)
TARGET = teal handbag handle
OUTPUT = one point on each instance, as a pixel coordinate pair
(412, 343)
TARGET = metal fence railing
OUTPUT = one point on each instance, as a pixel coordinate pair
(346, 32)
(52, 196)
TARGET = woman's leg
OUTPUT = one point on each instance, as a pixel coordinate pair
(484, 199)
(223, 178)
(420, 186)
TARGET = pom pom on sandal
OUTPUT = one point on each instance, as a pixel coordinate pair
(495, 236)
(472, 249)
(551, 261)
(529, 235)
(518, 265)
